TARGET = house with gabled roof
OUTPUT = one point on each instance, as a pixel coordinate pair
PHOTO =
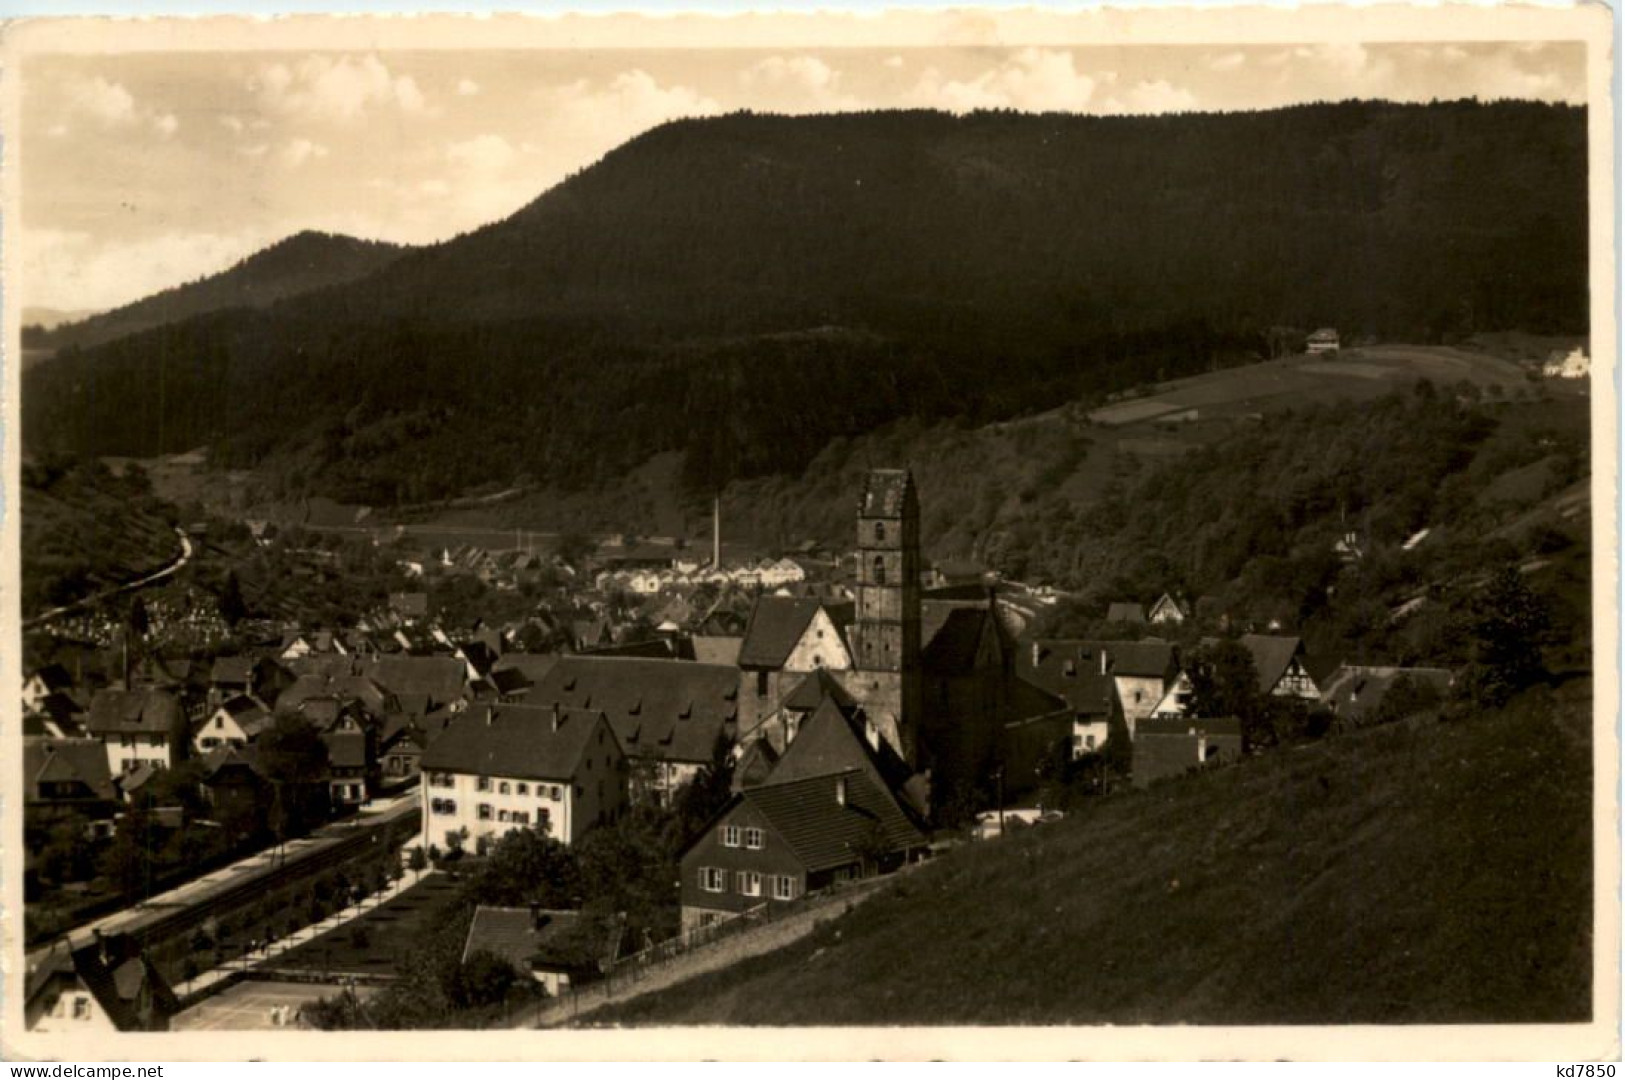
(1281, 665)
(143, 726)
(441, 680)
(785, 639)
(1123, 611)
(1168, 609)
(1172, 745)
(559, 949)
(499, 767)
(237, 721)
(670, 716)
(779, 841)
(105, 985)
(1102, 680)
(67, 780)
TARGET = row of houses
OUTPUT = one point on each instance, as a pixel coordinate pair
(1142, 691)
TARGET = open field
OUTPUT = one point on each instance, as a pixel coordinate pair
(247, 1006)
(391, 930)
(1421, 872)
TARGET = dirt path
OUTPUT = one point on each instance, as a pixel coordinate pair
(627, 984)
(169, 569)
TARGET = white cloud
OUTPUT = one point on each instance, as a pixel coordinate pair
(467, 87)
(483, 153)
(893, 61)
(1152, 96)
(166, 124)
(298, 151)
(1034, 80)
(797, 84)
(66, 268)
(330, 90)
(581, 121)
(1228, 61)
(108, 102)
(233, 124)
(257, 150)
(57, 131)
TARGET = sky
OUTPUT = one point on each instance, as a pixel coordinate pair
(140, 171)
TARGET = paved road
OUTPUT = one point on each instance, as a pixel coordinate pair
(168, 570)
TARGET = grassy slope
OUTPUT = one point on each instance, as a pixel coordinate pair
(1423, 872)
(100, 533)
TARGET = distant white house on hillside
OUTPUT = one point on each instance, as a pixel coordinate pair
(1572, 365)
(1324, 340)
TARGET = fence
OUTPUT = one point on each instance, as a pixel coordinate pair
(653, 961)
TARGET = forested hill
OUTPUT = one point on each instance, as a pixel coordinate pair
(743, 289)
(294, 265)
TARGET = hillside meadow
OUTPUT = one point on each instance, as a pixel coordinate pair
(1423, 872)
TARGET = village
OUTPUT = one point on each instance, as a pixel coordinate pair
(811, 721)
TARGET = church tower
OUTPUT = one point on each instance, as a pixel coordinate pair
(886, 631)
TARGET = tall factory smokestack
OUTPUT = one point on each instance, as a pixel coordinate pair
(716, 533)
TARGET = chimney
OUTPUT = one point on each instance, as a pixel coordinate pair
(101, 946)
(1038, 653)
(840, 791)
(557, 719)
(536, 919)
(1103, 661)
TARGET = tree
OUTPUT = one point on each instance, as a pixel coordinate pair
(233, 609)
(417, 861)
(1507, 625)
(1224, 682)
(700, 799)
(484, 979)
(293, 757)
(527, 867)
(629, 867)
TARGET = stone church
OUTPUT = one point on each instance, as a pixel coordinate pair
(928, 677)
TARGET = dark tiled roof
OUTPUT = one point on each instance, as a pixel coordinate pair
(1355, 692)
(1271, 656)
(132, 993)
(150, 711)
(442, 679)
(513, 740)
(755, 765)
(1069, 669)
(542, 940)
(225, 759)
(812, 690)
(672, 710)
(886, 492)
(953, 647)
(1187, 726)
(346, 749)
(534, 666)
(717, 650)
(835, 740)
(47, 760)
(414, 604)
(777, 623)
(1125, 613)
(821, 831)
(232, 669)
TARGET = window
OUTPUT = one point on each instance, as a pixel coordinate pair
(880, 570)
(522, 789)
(1077, 740)
(440, 779)
(784, 887)
(578, 791)
(544, 816)
(1089, 742)
(219, 722)
(81, 1008)
(880, 531)
(711, 879)
(483, 784)
(502, 788)
(557, 793)
(753, 839)
(521, 817)
(761, 684)
(748, 883)
(730, 836)
(502, 815)
(485, 811)
(443, 806)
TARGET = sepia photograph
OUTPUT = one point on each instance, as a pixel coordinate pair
(907, 523)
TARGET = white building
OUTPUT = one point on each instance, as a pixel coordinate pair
(501, 767)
